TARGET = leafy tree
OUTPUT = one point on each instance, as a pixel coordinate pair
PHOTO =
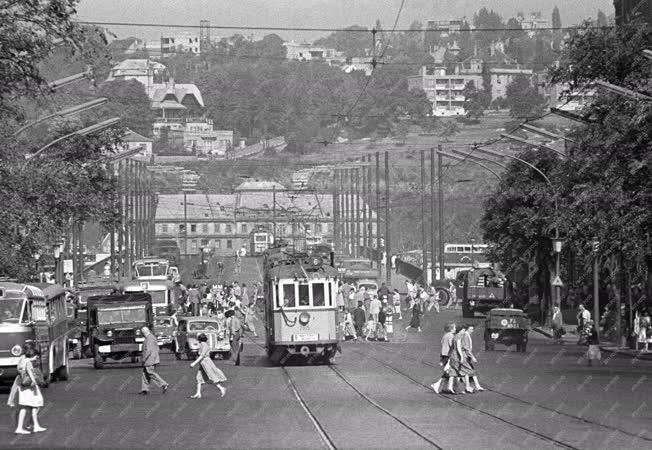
(601, 21)
(474, 101)
(523, 99)
(352, 41)
(128, 100)
(556, 18)
(449, 128)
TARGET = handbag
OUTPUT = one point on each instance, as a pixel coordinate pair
(26, 380)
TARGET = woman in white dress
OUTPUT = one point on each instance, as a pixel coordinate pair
(207, 372)
(26, 397)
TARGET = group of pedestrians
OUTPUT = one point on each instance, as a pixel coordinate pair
(458, 361)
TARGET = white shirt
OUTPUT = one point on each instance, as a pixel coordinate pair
(586, 315)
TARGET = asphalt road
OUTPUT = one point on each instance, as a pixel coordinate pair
(375, 396)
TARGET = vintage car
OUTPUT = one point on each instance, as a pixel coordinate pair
(506, 326)
(164, 330)
(191, 327)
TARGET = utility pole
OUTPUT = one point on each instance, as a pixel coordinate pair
(347, 212)
(369, 243)
(113, 221)
(596, 293)
(440, 201)
(379, 253)
(433, 204)
(356, 246)
(424, 238)
(138, 237)
(274, 211)
(121, 215)
(364, 210)
(388, 266)
(185, 222)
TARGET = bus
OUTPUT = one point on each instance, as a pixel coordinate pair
(165, 293)
(152, 268)
(34, 313)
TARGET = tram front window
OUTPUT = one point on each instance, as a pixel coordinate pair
(288, 296)
(318, 294)
(304, 295)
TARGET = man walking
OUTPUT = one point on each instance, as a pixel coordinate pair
(150, 361)
(234, 328)
(194, 298)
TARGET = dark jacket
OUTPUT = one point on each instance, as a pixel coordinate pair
(359, 316)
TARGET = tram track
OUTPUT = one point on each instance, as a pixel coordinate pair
(527, 430)
(520, 400)
(320, 428)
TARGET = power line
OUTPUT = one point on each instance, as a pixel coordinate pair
(328, 30)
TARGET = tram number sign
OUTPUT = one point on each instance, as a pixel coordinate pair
(306, 337)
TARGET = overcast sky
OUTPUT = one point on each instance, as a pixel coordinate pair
(315, 13)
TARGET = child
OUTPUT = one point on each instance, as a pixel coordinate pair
(594, 347)
(396, 300)
(370, 328)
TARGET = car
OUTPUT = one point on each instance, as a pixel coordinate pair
(370, 286)
(164, 330)
(188, 331)
(507, 326)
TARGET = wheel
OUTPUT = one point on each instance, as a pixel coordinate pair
(523, 347)
(443, 296)
(211, 355)
(466, 311)
(77, 351)
(191, 355)
(98, 359)
(489, 346)
(134, 358)
(226, 356)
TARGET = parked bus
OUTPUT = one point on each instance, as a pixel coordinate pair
(34, 313)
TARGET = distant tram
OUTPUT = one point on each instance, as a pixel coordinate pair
(300, 307)
(260, 240)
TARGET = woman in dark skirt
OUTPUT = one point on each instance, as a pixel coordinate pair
(415, 322)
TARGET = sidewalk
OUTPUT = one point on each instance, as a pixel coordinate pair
(571, 337)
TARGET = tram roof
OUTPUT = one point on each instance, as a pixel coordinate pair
(44, 290)
(299, 271)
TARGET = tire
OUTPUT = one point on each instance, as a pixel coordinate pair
(523, 347)
(226, 356)
(134, 359)
(77, 351)
(63, 373)
(444, 296)
(466, 312)
(489, 346)
(98, 360)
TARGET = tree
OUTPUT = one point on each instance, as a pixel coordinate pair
(601, 20)
(474, 101)
(449, 128)
(556, 18)
(523, 99)
(351, 41)
(128, 100)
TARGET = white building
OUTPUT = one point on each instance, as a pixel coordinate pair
(533, 22)
(132, 140)
(309, 52)
(147, 72)
(180, 43)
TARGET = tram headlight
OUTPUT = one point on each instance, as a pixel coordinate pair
(16, 350)
(109, 333)
(304, 318)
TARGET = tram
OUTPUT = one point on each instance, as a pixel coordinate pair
(260, 240)
(34, 313)
(165, 293)
(300, 307)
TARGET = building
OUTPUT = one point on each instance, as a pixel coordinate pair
(309, 52)
(359, 64)
(223, 223)
(132, 140)
(446, 92)
(180, 43)
(147, 72)
(628, 10)
(532, 22)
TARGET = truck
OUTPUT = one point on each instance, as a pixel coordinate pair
(114, 326)
(482, 290)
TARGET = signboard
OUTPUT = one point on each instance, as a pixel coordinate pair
(557, 281)
(67, 266)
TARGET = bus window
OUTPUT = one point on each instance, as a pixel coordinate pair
(288, 296)
(304, 295)
(318, 294)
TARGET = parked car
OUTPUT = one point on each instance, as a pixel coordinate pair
(190, 328)
(164, 330)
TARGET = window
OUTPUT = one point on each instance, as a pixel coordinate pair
(229, 243)
(228, 227)
(304, 295)
(204, 242)
(217, 227)
(307, 226)
(193, 244)
(243, 228)
(193, 228)
(204, 228)
(288, 296)
(218, 243)
(164, 228)
(182, 228)
(318, 294)
(318, 228)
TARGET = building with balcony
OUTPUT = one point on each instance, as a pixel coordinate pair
(309, 52)
(180, 43)
(445, 92)
(533, 22)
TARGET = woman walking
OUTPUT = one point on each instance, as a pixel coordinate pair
(557, 325)
(415, 321)
(446, 345)
(207, 371)
(396, 300)
(594, 345)
(250, 315)
(467, 360)
(25, 392)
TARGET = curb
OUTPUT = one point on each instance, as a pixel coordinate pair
(627, 352)
(543, 332)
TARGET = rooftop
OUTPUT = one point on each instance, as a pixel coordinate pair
(259, 186)
(198, 206)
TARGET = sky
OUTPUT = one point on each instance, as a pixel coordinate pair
(314, 13)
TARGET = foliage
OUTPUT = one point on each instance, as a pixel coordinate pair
(352, 41)
(475, 101)
(128, 100)
(523, 99)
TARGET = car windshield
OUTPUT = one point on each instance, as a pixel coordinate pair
(10, 310)
(163, 322)
(204, 325)
(151, 270)
(372, 287)
(120, 315)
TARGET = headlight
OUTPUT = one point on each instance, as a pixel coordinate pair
(137, 332)
(109, 333)
(193, 344)
(16, 350)
(304, 318)
(160, 333)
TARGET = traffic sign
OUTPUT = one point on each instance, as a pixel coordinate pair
(557, 281)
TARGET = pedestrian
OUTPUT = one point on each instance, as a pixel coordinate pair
(245, 294)
(381, 330)
(250, 315)
(644, 330)
(359, 316)
(234, 330)
(454, 360)
(25, 393)
(446, 345)
(339, 297)
(594, 345)
(433, 298)
(150, 361)
(237, 290)
(557, 325)
(415, 321)
(370, 328)
(374, 308)
(383, 291)
(452, 296)
(349, 327)
(467, 360)
(194, 298)
(396, 300)
(207, 371)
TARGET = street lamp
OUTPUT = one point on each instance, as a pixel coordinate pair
(57, 250)
(557, 244)
(36, 257)
(595, 245)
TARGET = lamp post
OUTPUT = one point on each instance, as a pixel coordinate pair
(57, 250)
(36, 257)
(596, 302)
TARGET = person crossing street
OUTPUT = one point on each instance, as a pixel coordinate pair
(150, 361)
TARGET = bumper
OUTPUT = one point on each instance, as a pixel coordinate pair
(117, 348)
(163, 341)
(8, 374)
